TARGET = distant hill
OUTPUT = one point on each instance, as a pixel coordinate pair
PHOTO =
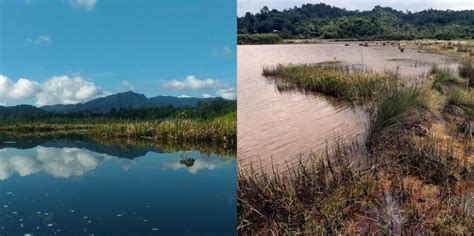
(20, 111)
(324, 21)
(126, 100)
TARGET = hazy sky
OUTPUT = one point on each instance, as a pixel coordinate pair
(254, 6)
(70, 51)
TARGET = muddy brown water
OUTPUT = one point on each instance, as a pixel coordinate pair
(277, 127)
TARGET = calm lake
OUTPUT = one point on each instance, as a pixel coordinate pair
(277, 126)
(75, 186)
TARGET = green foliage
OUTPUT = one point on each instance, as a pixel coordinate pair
(258, 39)
(466, 70)
(324, 21)
(334, 79)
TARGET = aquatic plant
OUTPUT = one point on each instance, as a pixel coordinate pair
(335, 79)
(219, 130)
(325, 195)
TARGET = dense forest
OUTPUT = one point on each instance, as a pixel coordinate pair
(202, 111)
(324, 21)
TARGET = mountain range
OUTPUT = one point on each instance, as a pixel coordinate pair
(105, 104)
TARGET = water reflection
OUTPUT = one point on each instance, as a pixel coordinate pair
(75, 186)
(58, 162)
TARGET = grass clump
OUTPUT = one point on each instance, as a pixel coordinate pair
(219, 130)
(313, 197)
(342, 81)
(460, 102)
(443, 78)
(401, 108)
(466, 70)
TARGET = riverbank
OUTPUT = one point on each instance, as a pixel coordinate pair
(419, 162)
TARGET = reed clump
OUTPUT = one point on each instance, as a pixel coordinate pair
(220, 130)
(335, 79)
(401, 109)
(313, 197)
(466, 70)
(460, 102)
(443, 78)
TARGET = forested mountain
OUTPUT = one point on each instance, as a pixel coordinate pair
(127, 105)
(21, 111)
(324, 21)
(128, 100)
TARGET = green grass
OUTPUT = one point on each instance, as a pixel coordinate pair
(466, 70)
(399, 108)
(313, 198)
(219, 130)
(341, 81)
(460, 102)
(443, 78)
(324, 195)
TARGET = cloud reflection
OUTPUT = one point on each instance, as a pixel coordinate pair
(58, 162)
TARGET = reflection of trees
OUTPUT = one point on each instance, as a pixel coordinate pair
(123, 148)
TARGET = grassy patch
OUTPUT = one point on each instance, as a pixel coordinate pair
(466, 70)
(342, 81)
(219, 130)
(313, 197)
(398, 110)
(443, 78)
(460, 102)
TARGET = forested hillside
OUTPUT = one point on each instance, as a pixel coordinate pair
(324, 21)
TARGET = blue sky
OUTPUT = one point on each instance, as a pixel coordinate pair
(69, 51)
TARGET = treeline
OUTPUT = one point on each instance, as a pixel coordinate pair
(324, 21)
(202, 111)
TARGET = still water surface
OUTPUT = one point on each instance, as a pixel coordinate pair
(74, 186)
(276, 126)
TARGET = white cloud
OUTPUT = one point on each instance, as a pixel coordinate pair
(85, 4)
(227, 93)
(43, 39)
(22, 89)
(67, 90)
(206, 95)
(57, 90)
(3, 104)
(226, 51)
(191, 82)
(184, 96)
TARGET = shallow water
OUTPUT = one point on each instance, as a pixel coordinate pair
(74, 186)
(278, 126)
